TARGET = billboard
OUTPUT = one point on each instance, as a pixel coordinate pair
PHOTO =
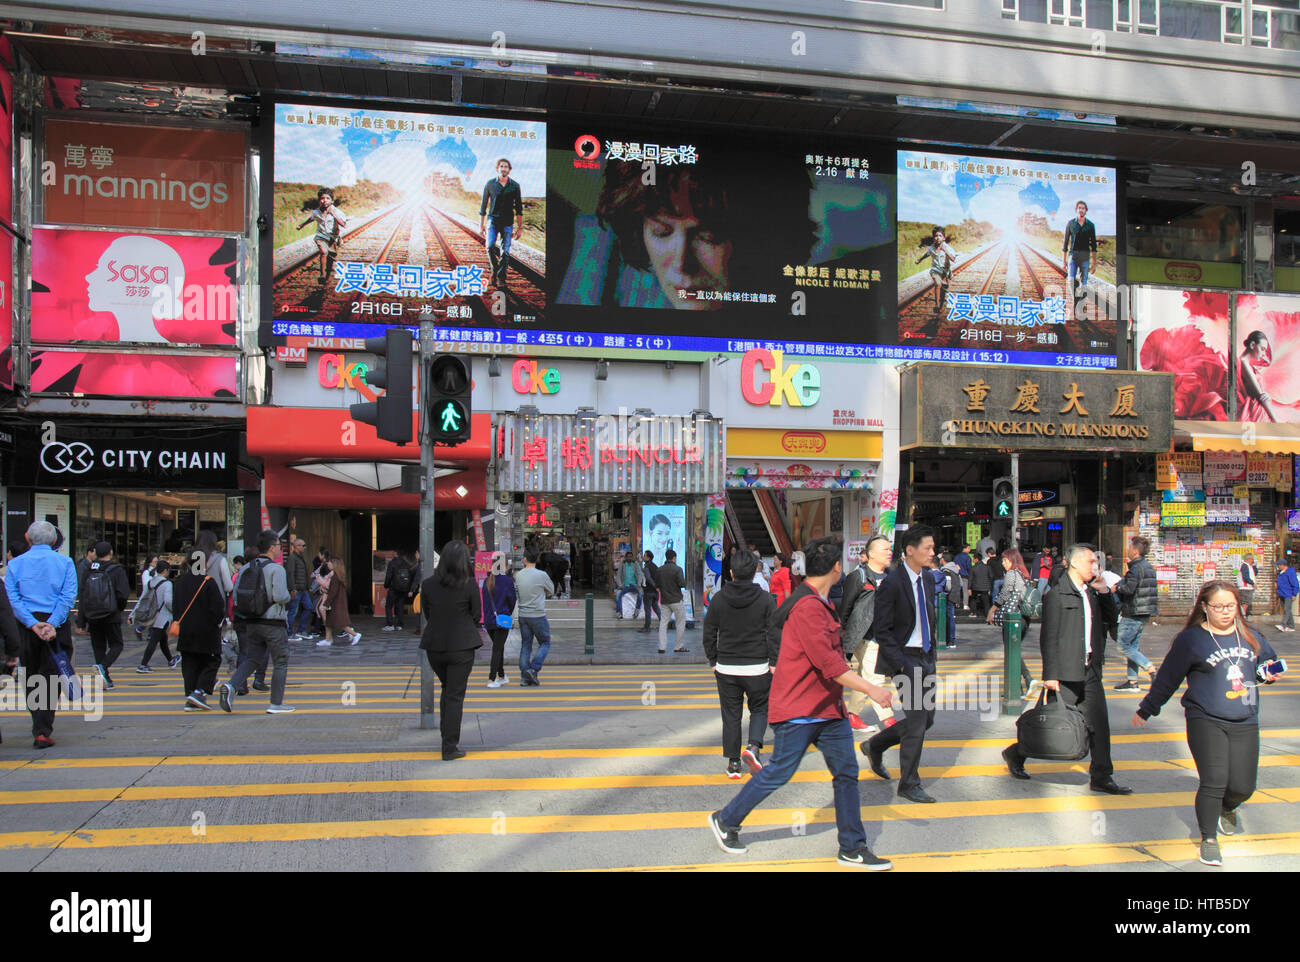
(767, 237)
(127, 175)
(663, 526)
(91, 285)
(381, 215)
(981, 260)
(6, 309)
(1186, 333)
(152, 376)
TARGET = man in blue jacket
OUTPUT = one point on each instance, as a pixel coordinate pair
(1288, 586)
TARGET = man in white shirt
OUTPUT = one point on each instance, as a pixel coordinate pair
(759, 578)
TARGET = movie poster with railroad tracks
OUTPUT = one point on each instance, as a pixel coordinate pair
(1005, 255)
(707, 239)
(383, 215)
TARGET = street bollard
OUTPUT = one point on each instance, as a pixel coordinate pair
(941, 623)
(590, 648)
(1012, 627)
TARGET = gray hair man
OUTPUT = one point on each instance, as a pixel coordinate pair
(42, 588)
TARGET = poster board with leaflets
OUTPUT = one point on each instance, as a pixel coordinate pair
(1179, 470)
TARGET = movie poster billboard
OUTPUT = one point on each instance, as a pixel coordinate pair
(1186, 332)
(130, 175)
(381, 216)
(981, 254)
(90, 285)
(663, 526)
(672, 236)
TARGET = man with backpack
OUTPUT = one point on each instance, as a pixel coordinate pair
(153, 613)
(398, 581)
(101, 601)
(261, 594)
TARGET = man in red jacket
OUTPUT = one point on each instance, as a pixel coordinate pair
(806, 707)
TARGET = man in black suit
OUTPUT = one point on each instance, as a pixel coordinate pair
(1073, 640)
(904, 625)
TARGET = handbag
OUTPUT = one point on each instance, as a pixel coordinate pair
(174, 629)
(1052, 730)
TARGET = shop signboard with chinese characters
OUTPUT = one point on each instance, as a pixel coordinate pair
(948, 405)
(610, 454)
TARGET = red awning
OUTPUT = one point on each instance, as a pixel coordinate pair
(292, 434)
(287, 487)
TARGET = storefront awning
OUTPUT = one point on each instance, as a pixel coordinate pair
(289, 434)
(288, 487)
(1249, 438)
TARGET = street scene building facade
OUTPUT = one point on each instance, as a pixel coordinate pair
(728, 277)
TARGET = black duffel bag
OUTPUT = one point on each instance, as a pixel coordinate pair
(1052, 730)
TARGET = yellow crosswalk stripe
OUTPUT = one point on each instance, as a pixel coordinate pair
(143, 793)
(1089, 854)
(99, 838)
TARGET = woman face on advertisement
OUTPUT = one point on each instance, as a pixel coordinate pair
(659, 538)
(137, 280)
(685, 254)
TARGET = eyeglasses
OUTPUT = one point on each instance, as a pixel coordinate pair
(1230, 606)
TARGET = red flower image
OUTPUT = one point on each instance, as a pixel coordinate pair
(1200, 372)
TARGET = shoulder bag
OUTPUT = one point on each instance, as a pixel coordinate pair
(174, 629)
(1052, 730)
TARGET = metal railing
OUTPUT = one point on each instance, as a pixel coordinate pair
(1261, 23)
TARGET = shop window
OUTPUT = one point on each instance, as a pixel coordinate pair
(1178, 241)
(1286, 250)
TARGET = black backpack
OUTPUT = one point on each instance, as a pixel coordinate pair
(98, 597)
(251, 598)
(402, 579)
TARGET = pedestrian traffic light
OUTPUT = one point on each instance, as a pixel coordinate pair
(391, 414)
(1004, 495)
(447, 402)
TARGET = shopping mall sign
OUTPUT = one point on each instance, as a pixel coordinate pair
(336, 371)
(612, 454)
(765, 378)
(961, 406)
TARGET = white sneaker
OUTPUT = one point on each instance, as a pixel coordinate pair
(389, 628)
(495, 683)
(324, 644)
(295, 637)
(356, 638)
(505, 680)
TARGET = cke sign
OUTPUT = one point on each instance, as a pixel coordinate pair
(799, 384)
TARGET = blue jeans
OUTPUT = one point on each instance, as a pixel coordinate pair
(527, 628)
(1082, 268)
(997, 588)
(1130, 630)
(500, 258)
(835, 739)
(1042, 587)
(618, 599)
(300, 603)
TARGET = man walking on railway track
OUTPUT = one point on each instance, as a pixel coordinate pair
(1080, 249)
(503, 202)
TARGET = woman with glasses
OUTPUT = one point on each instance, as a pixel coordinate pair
(1223, 661)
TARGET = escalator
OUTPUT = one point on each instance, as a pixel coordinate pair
(754, 519)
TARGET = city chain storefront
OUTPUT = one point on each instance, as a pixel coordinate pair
(1083, 439)
(144, 489)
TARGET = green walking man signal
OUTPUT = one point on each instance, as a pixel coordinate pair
(451, 417)
(448, 387)
(1004, 494)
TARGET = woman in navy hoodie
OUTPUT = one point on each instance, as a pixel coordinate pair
(498, 599)
(1222, 660)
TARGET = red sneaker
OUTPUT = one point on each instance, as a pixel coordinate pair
(856, 723)
(43, 741)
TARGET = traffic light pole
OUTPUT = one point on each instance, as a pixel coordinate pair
(1015, 499)
(428, 540)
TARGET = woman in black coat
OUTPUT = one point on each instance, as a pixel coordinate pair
(453, 610)
(198, 605)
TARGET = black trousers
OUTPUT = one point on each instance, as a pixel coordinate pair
(1089, 696)
(395, 609)
(42, 672)
(106, 640)
(732, 691)
(157, 638)
(199, 671)
(909, 734)
(498, 666)
(981, 601)
(651, 602)
(259, 657)
(452, 669)
(1227, 761)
